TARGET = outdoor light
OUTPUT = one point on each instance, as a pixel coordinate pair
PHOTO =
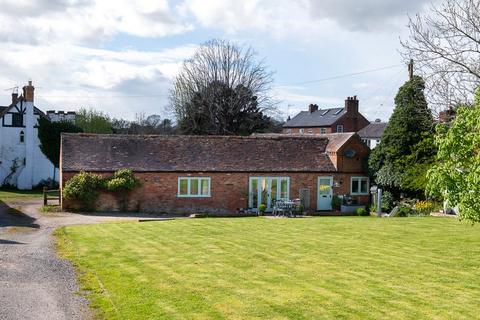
(337, 184)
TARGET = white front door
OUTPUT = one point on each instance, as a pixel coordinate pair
(324, 193)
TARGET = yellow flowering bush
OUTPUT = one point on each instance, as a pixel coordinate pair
(424, 206)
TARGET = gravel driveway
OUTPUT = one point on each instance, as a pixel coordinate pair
(34, 282)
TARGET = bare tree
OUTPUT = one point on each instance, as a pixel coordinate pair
(445, 45)
(222, 89)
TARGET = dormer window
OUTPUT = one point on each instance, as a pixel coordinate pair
(22, 137)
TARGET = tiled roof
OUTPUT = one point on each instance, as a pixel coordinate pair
(5, 109)
(318, 118)
(373, 131)
(150, 153)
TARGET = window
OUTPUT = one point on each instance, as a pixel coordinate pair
(302, 131)
(310, 131)
(193, 187)
(339, 127)
(367, 142)
(17, 120)
(359, 185)
(22, 137)
(289, 130)
(323, 130)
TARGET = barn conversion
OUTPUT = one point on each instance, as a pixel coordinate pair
(221, 174)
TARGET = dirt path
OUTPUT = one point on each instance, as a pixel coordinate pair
(34, 282)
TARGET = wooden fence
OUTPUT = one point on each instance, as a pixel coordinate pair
(51, 195)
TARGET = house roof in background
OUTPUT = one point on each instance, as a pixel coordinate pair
(373, 131)
(5, 109)
(318, 118)
(153, 153)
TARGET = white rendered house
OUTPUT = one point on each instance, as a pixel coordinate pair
(22, 163)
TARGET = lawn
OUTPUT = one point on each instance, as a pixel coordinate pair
(9, 194)
(256, 268)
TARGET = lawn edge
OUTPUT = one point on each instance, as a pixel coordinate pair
(89, 286)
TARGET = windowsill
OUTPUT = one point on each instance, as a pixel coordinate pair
(359, 194)
(192, 196)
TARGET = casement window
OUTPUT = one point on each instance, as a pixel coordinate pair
(359, 185)
(194, 187)
(339, 127)
(302, 131)
(323, 130)
(17, 120)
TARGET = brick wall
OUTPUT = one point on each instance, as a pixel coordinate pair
(229, 191)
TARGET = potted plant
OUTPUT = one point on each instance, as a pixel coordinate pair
(262, 208)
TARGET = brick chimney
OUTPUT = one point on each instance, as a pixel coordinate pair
(28, 91)
(312, 108)
(351, 104)
(14, 97)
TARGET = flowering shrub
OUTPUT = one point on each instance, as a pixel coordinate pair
(424, 207)
(122, 179)
(85, 187)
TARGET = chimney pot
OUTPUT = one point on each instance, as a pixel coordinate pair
(351, 104)
(28, 91)
(312, 108)
(14, 97)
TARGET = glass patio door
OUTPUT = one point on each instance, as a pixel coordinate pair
(265, 190)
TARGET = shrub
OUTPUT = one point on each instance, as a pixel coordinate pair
(424, 207)
(262, 208)
(336, 203)
(49, 183)
(84, 187)
(122, 180)
(405, 211)
(361, 212)
(387, 201)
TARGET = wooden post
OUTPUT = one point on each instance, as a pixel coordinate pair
(45, 195)
(410, 69)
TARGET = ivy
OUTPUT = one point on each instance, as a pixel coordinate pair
(122, 180)
(86, 187)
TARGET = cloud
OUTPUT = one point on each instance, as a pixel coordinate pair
(86, 21)
(365, 15)
(67, 77)
(301, 17)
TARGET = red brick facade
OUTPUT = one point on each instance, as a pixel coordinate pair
(229, 192)
(303, 161)
(351, 120)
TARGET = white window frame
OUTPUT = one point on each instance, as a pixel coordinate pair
(358, 192)
(323, 130)
(340, 126)
(189, 180)
(269, 204)
(302, 131)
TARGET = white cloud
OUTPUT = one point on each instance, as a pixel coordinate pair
(86, 21)
(121, 83)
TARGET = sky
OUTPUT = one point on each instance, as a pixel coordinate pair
(121, 56)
